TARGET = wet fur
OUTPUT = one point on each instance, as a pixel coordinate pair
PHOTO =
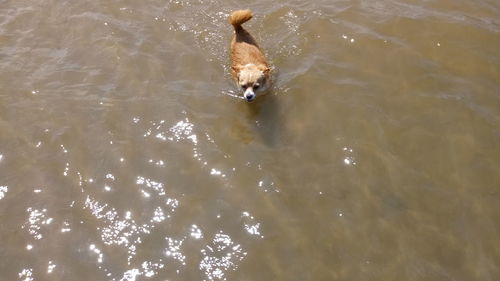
(249, 66)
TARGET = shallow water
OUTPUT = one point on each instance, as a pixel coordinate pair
(126, 154)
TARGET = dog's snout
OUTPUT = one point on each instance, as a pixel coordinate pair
(249, 95)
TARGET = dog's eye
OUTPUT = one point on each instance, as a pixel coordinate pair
(256, 86)
(244, 87)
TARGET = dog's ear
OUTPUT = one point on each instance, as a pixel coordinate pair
(236, 71)
(236, 68)
(265, 69)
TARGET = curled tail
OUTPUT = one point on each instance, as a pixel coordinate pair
(237, 18)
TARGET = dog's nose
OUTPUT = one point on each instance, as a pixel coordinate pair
(249, 96)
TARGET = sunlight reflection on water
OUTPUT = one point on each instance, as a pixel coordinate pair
(128, 154)
(221, 256)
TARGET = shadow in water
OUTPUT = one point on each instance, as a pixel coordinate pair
(265, 116)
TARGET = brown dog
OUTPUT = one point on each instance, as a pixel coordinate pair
(249, 65)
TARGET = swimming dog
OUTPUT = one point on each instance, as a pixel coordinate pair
(249, 66)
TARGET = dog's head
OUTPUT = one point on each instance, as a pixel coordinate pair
(252, 79)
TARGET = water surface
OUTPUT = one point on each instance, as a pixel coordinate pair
(127, 154)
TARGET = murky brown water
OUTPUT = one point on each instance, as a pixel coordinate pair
(125, 154)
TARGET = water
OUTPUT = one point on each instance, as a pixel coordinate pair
(126, 154)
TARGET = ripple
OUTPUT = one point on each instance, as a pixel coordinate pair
(123, 230)
(155, 186)
(349, 159)
(196, 232)
(147, 269)
(391, 9)
(142, 175)
(50, 267)
(252, 227)
(268, 185)
(221, 256)
(183, 130)
(173, 250)
(26, 274)
(96, 251)
(37, 218)
(65, 227)
(3, 191)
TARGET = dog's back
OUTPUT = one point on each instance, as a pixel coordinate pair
(244, 48)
